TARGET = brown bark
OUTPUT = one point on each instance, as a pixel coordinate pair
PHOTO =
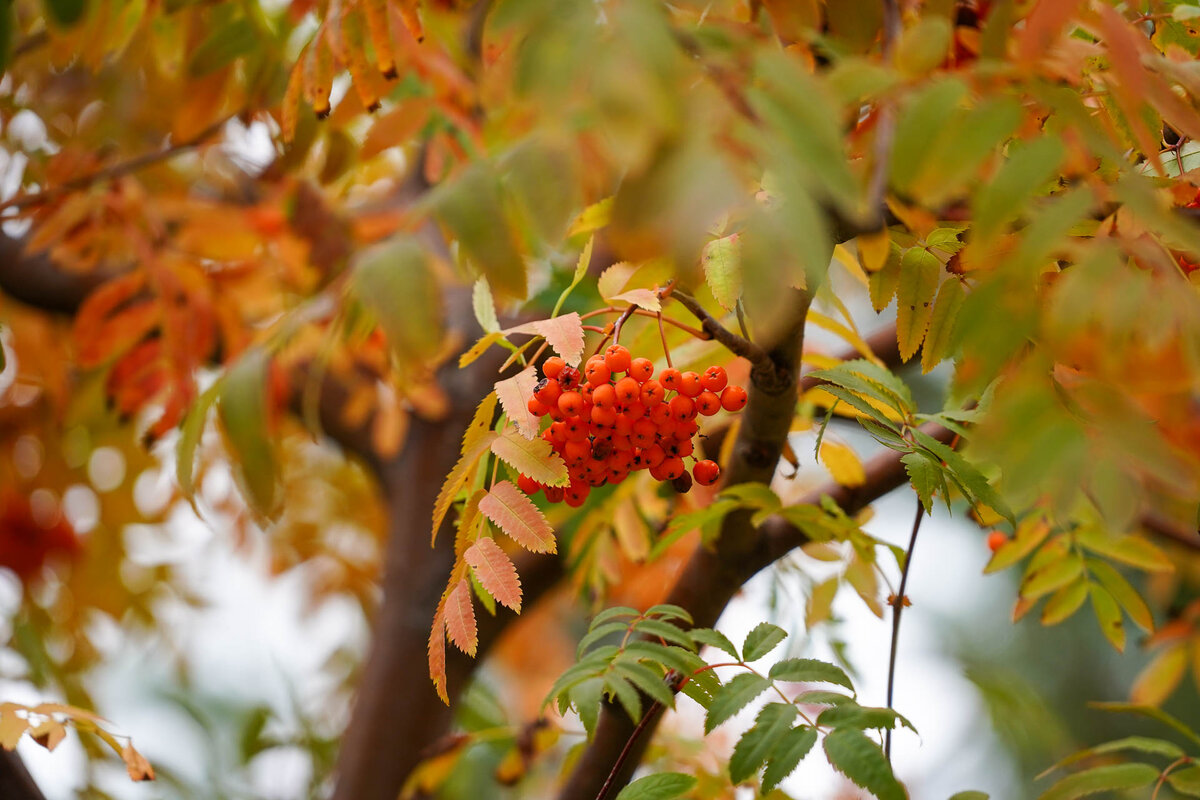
(15, 781)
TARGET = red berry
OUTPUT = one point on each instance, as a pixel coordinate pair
(669, 378)
(568, 378)
(689, 384)
(528, 485)
(660, 414)
(553, 366)
(708, 403)
(643, 433)
(733, 398)
(554, 494)
(635, 411)
(604, 415)
(714, 379)
(604, 396)
(576, 494)
(548, 393)
(996, 540)
(654, 456)
(570, 403)
(628, 391)
(706, 472)
(672, 468)
(576, 452)
(537, 407)
(641, 369)
(652, 393)
(682, 408)
(596, 371)
(617, 358)
(680, 447)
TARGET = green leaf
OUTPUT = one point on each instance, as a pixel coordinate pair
(787, 753)
(810, 670)
(1141, 744)
(1123, 592)
(920, 272)
(923, 47)
(852, 715)
(682, 661)
(714, 638)
(733, 697)
(683, 524)
(665, 630)
(722, 263)
(970, 477)
(242, 409)
(870, 380)
(1151, 712)
(1132, 550)
(663, 786)
(585, 698)
(853, 754)
(970, 794)
(597, 633)
(927, 111)
(472, 208)
(1108, 614)
(396, 282)
(669, 611)
(756, 744)
(926, 476)
(1101, 779)
(1052, 576)
(1065, 602)
(859, 403)
(963, 147)
(761, 641)
(1186, 781)
(625, 694)
(581, 270)
(646, 679)
(224, 43)
(1030, 534)
(189, 440)
(940, 338)
(65, 13)
(1028, 167)
(821, 698)
(616, 612)
(882, 284)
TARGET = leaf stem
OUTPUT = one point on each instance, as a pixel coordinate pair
(897, 609)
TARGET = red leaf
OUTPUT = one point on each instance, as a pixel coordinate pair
(437, 654)
(516, 515)
(114, 318)
(460, 618)
(495, 572)
(563, 333)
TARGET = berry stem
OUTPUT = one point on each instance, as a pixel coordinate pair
(662, 333)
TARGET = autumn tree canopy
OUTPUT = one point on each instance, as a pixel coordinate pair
(618, 303)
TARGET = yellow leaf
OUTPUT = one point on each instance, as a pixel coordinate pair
(1161, 676)
(458, 477)
(842, 463)
(136, 765)
(848, 260)
(873, 249)
(11, 727)
(592, 218)
(437, 652)
(531, 457)
(515, 394)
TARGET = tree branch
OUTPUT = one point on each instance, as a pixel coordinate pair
(732, 341)
(15, 781)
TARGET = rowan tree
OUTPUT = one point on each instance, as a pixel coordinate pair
(537, 281)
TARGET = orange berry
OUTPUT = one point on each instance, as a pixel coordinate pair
(996, 540)
(714, 379)
(707, 403)
(660, 414)
(641, 369)
(669, 378)
(689, 384)
(628, 391)
(570, 403)
(536, 407)
(617, 358)
(682, 408)
(652, 393)
(706, 472)
(604, 396)
(528, 485)
(548, 392)
(596, 371)
(568, 378)
(553, 366)
(672, 468)
(576, 494)
(733, 398)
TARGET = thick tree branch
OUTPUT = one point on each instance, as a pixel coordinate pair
(732, 341)
(15, 781)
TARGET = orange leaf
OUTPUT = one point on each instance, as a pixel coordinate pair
(397, 126)
(114, 318)
(514, 394)
(644, 298)
(515, 514)
(411, 19)
(495, 572)
(458, 476)
(437, 653)
(563, 333)
(1131, 87)
(318, 75)
(11, 727)
(532, 457)
(460, 618)
(289, 107)
(136, 765)
(1043, 27)
(381, 37)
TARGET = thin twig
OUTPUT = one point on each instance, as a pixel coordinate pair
(650, 714)
(116, 170)
(885, 125)
(897, 609)
(644, 312)
(734, 343)
(662, 334)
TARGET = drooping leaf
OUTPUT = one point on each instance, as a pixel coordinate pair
(721, 259)
(532, 457)
(1141, 744)
(663, 786)
(756, 744)
(970, 477)
(479, 444)
(189, 439)
(733, 696)
(925, 475)
(786, 755)
(843, 464)
(642, 298)
(1065, 601)
(810, 670)
(1107, 778)
(1132, 550)
(242, 409)
(940, 337)
(761, 640)
(224, 43)
(645, 679)
(1159, 679)
(460, 618)
(592, 218)
(436, 651)
(472, 208)
(495, 572)
(1123, 592)
(1108, 614)
(515, 514)
(564, 334)
(514, 394)
(1052, 576)
(854, 755)
(920, 272)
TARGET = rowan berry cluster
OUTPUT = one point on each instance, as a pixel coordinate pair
(615, 418)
